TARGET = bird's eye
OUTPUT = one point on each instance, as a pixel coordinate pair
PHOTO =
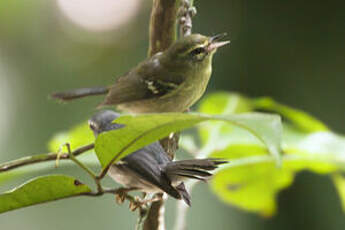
(92, 125)
(197, 51)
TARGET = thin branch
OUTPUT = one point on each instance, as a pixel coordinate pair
(7, 166)
(186, 12)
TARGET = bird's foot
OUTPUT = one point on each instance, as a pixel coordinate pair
(136, 203)
(121, 195)
(142, 203)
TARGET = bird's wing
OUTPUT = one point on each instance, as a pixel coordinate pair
(148, 80)
(127, 88)
(144, 163)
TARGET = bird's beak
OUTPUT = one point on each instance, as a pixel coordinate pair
(214, 42)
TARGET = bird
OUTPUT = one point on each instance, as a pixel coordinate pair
(150, 169)
(169, 81)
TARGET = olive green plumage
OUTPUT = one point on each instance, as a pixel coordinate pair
(169, 81)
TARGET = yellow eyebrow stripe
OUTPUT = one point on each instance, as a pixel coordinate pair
(199, 46)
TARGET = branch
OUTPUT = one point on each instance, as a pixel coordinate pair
(42, 158)
(162, 35)
(155, 216)
(162, 25)
(185, 14)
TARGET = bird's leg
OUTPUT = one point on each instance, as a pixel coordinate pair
(140, 203)
(121, 194)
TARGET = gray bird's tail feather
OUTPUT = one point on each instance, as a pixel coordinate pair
(79, 93)
(195, 169)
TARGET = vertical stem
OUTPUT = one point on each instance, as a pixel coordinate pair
(162, 25)
(141, 219)
(155, 216)
(162, 35)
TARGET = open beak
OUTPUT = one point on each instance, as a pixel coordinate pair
(214, 42)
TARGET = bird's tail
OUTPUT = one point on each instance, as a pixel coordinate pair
(79, 93)
(196, 169)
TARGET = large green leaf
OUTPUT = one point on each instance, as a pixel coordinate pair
(222, 103)
(141, 130)
(40, 190)
(304, 121)
(233, 103)
(251, 181)
(252, 187)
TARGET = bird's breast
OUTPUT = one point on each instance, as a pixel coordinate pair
(128, 178)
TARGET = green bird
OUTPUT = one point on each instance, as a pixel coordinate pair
(169, 81)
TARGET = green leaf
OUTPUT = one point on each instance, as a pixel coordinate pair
(250, 181)
(141, 130)
(77, 136)
(40, 190)
(301, 119)
(320, 152)
(222, 103)
(225, 103)
(252, 187)
(230, 103)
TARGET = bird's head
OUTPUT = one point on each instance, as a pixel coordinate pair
(195, 49)
(103, 121)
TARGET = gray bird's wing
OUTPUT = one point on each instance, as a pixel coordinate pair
(146, 163)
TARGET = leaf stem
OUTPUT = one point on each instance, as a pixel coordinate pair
(85, 168)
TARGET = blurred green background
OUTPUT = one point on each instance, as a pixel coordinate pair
(293, 51)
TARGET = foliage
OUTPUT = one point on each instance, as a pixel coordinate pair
(251, 181)
(40, 190)
(141, 130)
(263, 158)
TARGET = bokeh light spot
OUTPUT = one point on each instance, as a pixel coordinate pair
(100, 15)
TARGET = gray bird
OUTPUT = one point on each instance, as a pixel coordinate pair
(150, 169)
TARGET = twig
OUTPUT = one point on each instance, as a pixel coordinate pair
(7, 166)
(84, 167)
(185, 14)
